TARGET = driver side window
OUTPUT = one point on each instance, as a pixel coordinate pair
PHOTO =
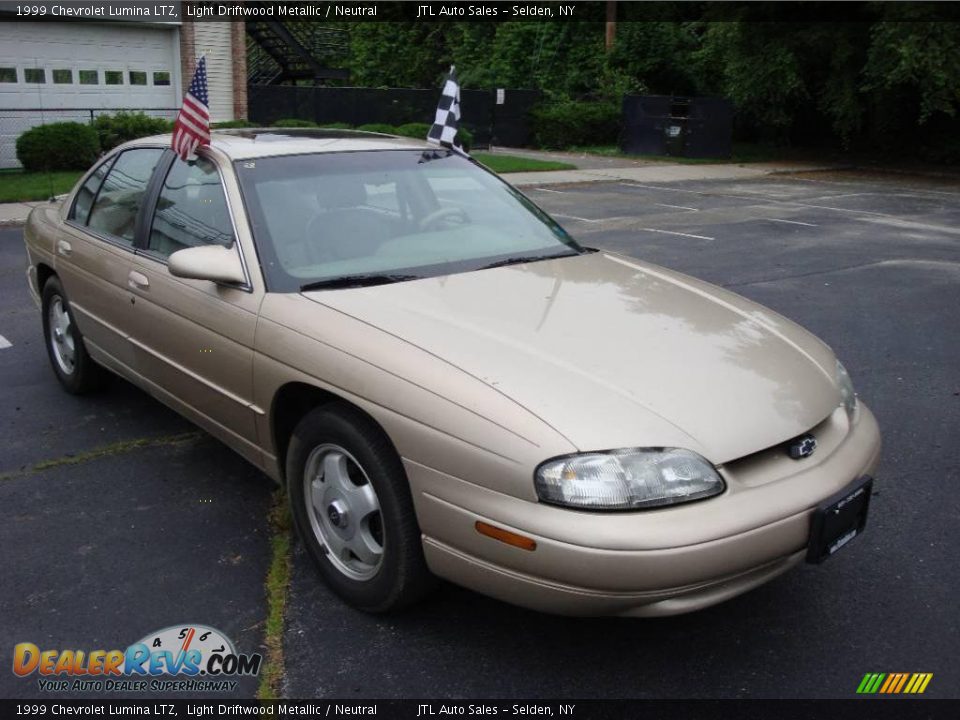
(191, 210)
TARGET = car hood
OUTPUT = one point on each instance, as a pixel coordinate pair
(612, 352)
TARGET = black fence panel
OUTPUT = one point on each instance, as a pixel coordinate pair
(510, 124)
(711, 128)
(505, 124)
(678, 126)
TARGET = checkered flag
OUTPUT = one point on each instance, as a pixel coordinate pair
(445, 125)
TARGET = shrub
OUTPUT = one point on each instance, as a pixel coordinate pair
(337, 126)
(58, 146)
(378, 128)
(466, 138)
(576, 122)
(295, 123)
(417, 130)
(235, 124)
(114, 130)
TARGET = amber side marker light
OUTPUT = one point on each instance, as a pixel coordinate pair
(505, 536)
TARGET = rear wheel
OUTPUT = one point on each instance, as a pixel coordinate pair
(71, 363)
(352, 508)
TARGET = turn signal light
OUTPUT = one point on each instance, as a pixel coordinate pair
(505, 536)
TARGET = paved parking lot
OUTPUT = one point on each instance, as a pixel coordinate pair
(162, 525)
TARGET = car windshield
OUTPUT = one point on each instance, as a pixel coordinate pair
(329, 220)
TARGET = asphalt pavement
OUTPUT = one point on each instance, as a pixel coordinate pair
(166, 525)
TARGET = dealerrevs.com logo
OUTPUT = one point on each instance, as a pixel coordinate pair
(180, 658)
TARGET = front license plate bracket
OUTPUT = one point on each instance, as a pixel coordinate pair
(839, 519)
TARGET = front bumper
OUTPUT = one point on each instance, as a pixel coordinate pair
(659, 562)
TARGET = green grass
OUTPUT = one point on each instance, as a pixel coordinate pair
(19, 186)
(277, 587)
(120, 447)
(512, 163)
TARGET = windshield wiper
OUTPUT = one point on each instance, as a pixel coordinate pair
(525, 259)
(351, 281)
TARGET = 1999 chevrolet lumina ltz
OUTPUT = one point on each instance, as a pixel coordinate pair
(448, 383)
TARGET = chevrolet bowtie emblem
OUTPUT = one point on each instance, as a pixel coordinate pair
(802, 446)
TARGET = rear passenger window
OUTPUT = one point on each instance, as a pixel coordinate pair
(191, 210)
(88, 192)
(116, 205)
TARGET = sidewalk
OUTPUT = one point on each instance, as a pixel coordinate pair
(660, 173)
(16, 213)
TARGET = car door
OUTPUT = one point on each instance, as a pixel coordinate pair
(193, 339)
(94, 252)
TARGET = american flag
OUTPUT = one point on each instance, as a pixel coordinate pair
(192, 127)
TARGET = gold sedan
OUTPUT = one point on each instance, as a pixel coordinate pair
(448, 383)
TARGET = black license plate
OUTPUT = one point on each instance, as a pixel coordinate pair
(839, 519)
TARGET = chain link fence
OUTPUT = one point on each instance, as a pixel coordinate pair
(13, 123)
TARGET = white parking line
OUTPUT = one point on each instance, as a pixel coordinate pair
(4, 343)
(574, 217)
(678, 207)
(792, 222)
(661, 187)
(671, 232)
(558, 192)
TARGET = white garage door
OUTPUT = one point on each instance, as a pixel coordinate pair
(53, 72)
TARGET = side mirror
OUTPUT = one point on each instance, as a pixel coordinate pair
(207, 262)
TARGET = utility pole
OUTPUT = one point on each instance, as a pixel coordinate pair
(611, 23)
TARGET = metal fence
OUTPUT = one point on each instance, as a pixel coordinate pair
(494, 117)
(14, 123)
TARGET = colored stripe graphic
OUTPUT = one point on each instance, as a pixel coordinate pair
(894, 683)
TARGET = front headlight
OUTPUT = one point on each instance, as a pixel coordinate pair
(635, 478)
(848, 397)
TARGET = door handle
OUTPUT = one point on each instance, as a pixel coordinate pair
(64, 248)
(137, 280)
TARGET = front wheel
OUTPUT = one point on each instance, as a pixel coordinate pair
(352, 508)
(73, 366)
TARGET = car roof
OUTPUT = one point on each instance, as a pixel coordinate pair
(244, 143)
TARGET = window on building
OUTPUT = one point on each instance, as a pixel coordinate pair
(161, 78)
(115, 209)
(138, 77)
(34, 75)
(8, 74)
(89, 77)
(63, 77)
(191, 210)
(113, 77)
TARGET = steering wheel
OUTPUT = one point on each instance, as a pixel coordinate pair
(431, 218)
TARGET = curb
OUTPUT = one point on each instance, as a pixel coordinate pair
(17, 212)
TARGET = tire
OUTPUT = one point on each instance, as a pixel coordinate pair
(73, 366)
(353, 511)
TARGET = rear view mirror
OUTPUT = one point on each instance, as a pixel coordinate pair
(207, 262)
